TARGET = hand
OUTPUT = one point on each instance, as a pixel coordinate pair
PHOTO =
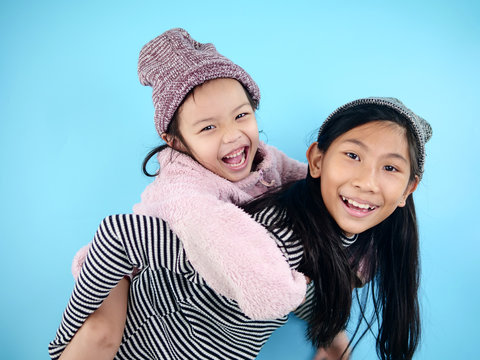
(335, 350)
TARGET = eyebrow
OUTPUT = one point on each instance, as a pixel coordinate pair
(212, 118)
(364, 146)
(241, 105)
(206, 120)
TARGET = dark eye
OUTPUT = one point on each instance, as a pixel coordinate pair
(353, 156)
(207, 128)
(390, 168)
(240, 116)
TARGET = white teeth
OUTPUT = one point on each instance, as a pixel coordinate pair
(236, 154)
(358, 205)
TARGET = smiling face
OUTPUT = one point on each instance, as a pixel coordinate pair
(364, 174)
(219, 128)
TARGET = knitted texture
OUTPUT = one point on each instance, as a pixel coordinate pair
(174, 63)
(420, 128)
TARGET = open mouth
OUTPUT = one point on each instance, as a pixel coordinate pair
(237, 158)
(362, 207)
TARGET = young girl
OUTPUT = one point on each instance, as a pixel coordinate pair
(351, 221)
(205, 112)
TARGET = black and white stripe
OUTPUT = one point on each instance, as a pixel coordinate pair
(348, 240)
(172, 313)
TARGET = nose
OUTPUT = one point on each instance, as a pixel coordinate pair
(231, 133)
(366, 179)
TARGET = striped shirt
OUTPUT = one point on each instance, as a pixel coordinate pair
(172, 313)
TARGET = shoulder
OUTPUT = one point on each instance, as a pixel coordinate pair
(270, 154)
(277, 162)
(274, 219)
(269, 216)
(266, 156)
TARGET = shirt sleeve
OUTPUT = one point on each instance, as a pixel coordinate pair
(121, 243)
(305, 310)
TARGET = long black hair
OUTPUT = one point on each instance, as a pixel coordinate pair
(386, 255)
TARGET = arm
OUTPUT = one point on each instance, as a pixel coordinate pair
(235, 255)
(101, 334)
(121, 243)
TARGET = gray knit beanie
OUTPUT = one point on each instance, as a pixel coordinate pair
(174, 63)
(420, 127)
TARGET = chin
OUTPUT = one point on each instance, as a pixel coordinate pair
(353, 229)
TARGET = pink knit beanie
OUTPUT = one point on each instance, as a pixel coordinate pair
(174, 63)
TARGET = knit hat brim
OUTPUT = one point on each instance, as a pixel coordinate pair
(174, 63)
(168, 100)
(421, 129)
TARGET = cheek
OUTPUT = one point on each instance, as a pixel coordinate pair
(251, 128)
(253, 136)
(328, 191)
(397, 194)
(333, 174)
(204, 151)
(209, 152)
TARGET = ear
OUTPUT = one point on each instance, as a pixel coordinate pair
(314, 157)
(173, 142)
(410, 189)
(169, 139)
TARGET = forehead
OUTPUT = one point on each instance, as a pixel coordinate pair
(216, 94)
(383, 134)
(386, 127)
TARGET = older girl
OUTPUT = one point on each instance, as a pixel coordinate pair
(212, 162)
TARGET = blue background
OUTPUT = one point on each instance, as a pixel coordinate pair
(75, 124)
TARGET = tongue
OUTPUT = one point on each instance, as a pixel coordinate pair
(234, 160)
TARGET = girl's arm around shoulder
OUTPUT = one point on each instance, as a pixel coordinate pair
(236, 256)
(233, 254)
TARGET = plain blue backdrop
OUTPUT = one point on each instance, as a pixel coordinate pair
(75, 124)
